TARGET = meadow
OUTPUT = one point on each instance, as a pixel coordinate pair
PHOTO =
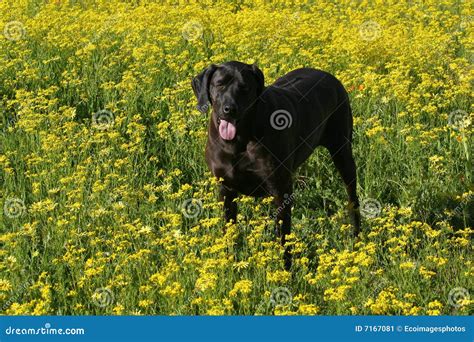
(107, 205)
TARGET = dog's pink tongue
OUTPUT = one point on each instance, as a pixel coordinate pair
(227, 130)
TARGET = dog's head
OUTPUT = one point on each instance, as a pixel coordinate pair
(232, 89)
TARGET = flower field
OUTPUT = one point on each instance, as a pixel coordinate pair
(107, 205)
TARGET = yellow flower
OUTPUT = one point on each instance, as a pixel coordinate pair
(145, 303)
(5, 285)
(408, 265)
(278, 277)
(207, 281)
(243, 287)
(434, 308)
(173, 290)
(118, 309)
(426, 273)
(308, 309)
(337, 294)
(215, 311)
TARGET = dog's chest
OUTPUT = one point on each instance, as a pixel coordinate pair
(245, 171)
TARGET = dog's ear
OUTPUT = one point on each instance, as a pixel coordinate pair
(260, 78)
(200, 85)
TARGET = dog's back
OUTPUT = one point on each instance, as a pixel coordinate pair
(303, 109)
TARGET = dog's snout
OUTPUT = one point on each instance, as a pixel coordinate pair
(229, 108)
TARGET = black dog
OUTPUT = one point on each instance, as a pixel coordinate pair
(258, 136)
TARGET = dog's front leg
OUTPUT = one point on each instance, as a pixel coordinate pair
(283, 203)
(228, 195)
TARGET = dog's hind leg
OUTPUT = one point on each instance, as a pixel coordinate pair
(345, 164)
(283, 201)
